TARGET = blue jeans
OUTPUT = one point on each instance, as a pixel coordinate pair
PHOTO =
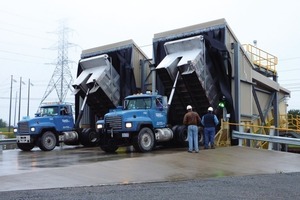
(193, 137)
(209, 136)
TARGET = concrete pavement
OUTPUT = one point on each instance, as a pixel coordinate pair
(157, 166)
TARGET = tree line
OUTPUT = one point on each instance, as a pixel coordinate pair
(3, 124)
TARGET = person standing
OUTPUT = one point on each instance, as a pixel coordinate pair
(192, 120)
(209, 121)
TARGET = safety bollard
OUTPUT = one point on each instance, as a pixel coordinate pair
(271, 133)
(241, 129)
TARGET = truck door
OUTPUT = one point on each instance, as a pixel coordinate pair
(159, 114)
(64, 121)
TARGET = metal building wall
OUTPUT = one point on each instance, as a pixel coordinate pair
(256, 91)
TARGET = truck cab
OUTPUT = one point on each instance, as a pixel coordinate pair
(137, 122)
(45, 130)
(148, 106)
(61, 114)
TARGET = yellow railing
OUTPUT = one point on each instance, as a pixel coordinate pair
(261, 58)
(294, 122)
(222, 137)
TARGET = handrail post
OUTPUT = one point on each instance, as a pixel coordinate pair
(271, 133)
(241, 129)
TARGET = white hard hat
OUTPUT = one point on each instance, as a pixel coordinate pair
(189, 107)
(210, 109)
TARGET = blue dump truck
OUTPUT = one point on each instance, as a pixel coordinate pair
(54, 123)
(57, 123)
(141, 122)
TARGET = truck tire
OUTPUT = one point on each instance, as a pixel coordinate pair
(89, 137)
(182, 135)
(200, 136)
(110, 146)
(174, 139)
(144, 141)
(25, 146)
(48, 141)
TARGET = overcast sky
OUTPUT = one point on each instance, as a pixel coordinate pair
(28, 36)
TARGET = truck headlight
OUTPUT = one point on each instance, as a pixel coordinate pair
(15, 130)
(128, 125)
(99, 126)
(32, 129)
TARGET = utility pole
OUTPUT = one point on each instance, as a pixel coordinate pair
(61, 79)
(20, 96)
(16, 100)
(10, 101)
(28, 99)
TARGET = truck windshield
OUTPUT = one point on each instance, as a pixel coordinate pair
(49, 111)
(138, 103)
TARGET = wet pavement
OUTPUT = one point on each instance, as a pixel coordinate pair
(72, 167)
(17, 161)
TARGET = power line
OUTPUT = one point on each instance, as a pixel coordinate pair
(291, 85)
(289, 80)
(18, 60)
(287, 59)
(288, 70)
(28, 35)
(35, 19)
(22, 54)
(15, 29)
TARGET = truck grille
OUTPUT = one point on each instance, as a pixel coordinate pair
(23, 127)
(113, 122)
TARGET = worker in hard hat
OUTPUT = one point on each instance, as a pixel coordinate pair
(192, 120)
(209, 121)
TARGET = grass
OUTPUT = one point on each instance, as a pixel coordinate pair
(294, 148)
(4, 131)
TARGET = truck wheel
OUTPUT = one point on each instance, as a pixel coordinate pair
(89, 137)
(182, 135)
(25, 146)
(109, 147)
(48, 141)
(144, 141)
(200, 136)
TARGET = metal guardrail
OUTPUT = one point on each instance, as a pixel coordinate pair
(267, 138)
(9, 141)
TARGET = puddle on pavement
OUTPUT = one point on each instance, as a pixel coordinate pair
(66, 156)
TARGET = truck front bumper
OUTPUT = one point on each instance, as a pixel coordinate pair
(23, 139)
(116, 134)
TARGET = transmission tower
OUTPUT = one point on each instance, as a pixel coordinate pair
(61, 79)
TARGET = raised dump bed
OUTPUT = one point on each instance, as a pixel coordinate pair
(208, 76)
(111, 72)
(100, 77)
(196, 86)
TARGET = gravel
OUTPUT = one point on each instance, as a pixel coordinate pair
(275, 186)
